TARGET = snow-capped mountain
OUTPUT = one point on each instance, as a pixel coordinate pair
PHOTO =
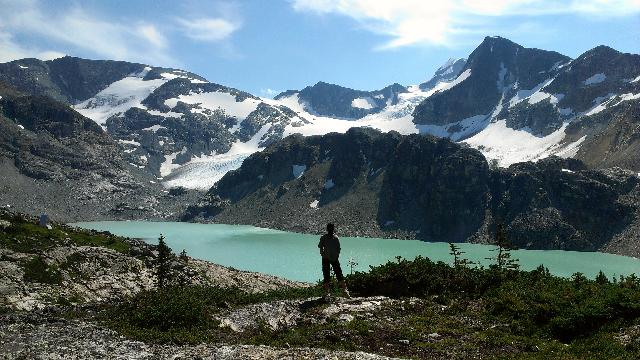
(512, 103)
(335, 101)
(446, 73)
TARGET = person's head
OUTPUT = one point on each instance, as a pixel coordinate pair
(330, 228)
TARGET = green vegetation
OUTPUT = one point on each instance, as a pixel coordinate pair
(184, 314)
(442, 311)
(162, 262)
(459, 312)
(37, 270)
(24, 235)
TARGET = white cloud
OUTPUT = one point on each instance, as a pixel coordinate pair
(208, 29)
(151, 33)
(75, 29)
(410, 22)
(9, 50)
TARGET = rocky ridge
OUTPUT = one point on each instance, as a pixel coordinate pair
(340, 102)
(56, 160)
(388, 185)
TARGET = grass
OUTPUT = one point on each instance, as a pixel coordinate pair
(461, 313)
(26, 236)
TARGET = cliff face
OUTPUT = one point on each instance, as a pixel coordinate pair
(389, 185)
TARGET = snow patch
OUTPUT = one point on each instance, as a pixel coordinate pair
(167, 165)
(595, 79)
(462, 77)
(154, 128)
(508, 146)
(629, 96)
(565, 111)
(571, 150)
(366, 103)
(298, 170)
(117, 98)
(129, 142)
(541, 95)
(204, 171)
(458, 130)
(214, 100)
(600, 104)
(521, 95)
(314, 204)
(636, 79)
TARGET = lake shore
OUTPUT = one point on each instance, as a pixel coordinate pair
(295, 256)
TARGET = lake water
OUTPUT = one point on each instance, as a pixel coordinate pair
(296, 257)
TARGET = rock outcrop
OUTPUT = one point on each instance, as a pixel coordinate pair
(389, 185)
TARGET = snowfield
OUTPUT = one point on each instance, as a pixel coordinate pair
(485, 132)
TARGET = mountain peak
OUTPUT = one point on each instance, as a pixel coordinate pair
(600, 51)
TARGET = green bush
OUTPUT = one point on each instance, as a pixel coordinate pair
(37, 270)
(185, 314)
(532, 302)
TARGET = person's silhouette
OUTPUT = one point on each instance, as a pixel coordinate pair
(330, 251)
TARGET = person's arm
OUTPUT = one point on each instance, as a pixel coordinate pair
(321, 245)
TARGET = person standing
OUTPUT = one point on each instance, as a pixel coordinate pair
(330, 251)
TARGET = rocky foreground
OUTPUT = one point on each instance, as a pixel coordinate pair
(44, 274)
(67, 293)
(41, 336)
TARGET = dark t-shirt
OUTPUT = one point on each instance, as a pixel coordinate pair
(329, 247)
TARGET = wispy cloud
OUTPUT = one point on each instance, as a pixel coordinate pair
(75, 29)
(208, 29)
(443, 22)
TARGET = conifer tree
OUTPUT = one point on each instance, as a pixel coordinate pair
(163, 263)
(458, 260)
(503, 258)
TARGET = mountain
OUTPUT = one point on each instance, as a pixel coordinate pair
(512, 103)
(56, 160)
(411, 186)
(448, 72)
(340, 102)
(516, 104)
(494, 66)
(69, 79)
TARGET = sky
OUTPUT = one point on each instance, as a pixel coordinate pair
(268, 46)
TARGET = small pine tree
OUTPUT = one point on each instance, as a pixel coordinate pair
(601, 278)
(163, 263)
(352, 264)
(503, 258)
(458, 260)
(183, 256)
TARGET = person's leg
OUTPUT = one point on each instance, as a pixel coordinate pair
(338, 270)
(326, 275)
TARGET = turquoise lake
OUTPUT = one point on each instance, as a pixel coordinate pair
(295, 256)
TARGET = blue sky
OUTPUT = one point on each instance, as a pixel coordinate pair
(268, 46)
